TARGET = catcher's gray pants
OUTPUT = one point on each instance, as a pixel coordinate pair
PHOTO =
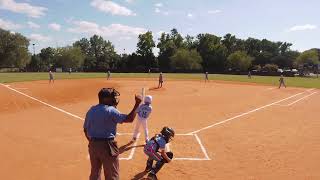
(104, 153)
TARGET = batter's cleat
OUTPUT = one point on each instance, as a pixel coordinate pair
(152, 176)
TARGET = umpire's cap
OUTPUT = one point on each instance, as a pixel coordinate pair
(108, 92)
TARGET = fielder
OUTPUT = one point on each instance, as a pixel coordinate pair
(206, 77)
(143, 112)
(249, 74)
(160, 80)
(155, 150)
(108, 75)
(281, 80)
(51, 78)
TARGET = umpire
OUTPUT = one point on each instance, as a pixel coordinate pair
(100, 128)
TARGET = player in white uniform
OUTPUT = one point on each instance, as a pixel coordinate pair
(143, 112)
(206, 77)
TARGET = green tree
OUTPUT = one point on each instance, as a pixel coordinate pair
(13, 49)
(270, 68)
(212, 51)
(309, 57)
(185, 59)
(190, 42)
(168, 44)
(230, 42)
(84, 44)
(89, 61)
(46, 58)
(103, 53)
(144, 50)
(69, 57)
(240, 60)
(35, 64)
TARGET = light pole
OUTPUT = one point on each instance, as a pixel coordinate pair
(34, 50)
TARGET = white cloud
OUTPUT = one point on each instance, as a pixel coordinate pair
(55, 26)
(158, 4)
(190, 15)
(33, 25)
(214, 11)
(105, 31)
(303, 27)
(125, 38)
(40, 38)
(111, 7)
(23, 8)
(8, 25)
(157, 10)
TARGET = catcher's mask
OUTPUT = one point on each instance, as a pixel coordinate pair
(109, 93)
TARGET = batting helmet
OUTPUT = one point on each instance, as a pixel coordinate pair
(148, 99)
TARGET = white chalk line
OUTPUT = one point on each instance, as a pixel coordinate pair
(310, 89)
(49, 105)
(202, 147)
(75, 116)
(244, 114)
(272, 88)
(294, 102)
(134, 148)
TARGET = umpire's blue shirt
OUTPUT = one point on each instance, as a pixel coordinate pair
(101, 121)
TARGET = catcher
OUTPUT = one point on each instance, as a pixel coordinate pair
(155, 150)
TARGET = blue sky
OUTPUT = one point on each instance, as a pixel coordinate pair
(61, 22)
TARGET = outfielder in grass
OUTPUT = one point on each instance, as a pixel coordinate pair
(155, 149)
(281, 82)
(143, 112)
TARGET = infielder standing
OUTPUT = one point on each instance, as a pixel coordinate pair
(143, 112)
(160, 80)
(206, 77)
(51, 77)
(108, 75)
(281, 81)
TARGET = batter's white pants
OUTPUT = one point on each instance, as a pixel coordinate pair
(137, 128)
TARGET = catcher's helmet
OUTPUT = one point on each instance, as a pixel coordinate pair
(148, 99)
(168, 133)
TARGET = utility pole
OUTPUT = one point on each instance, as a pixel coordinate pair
(34, 50)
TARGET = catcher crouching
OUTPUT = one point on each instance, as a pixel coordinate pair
(156, 151)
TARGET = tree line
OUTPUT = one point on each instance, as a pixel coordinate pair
(204, 52)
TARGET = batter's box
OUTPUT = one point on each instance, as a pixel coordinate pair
(126, 150)
(188, 147)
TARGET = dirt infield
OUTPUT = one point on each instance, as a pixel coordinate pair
(225, 131)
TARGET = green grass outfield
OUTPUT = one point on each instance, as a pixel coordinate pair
(267, 80)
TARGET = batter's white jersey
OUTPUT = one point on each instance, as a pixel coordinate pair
(144, 111)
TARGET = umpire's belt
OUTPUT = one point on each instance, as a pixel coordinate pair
(101, 139)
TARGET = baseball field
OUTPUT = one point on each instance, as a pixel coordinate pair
(229, 128)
